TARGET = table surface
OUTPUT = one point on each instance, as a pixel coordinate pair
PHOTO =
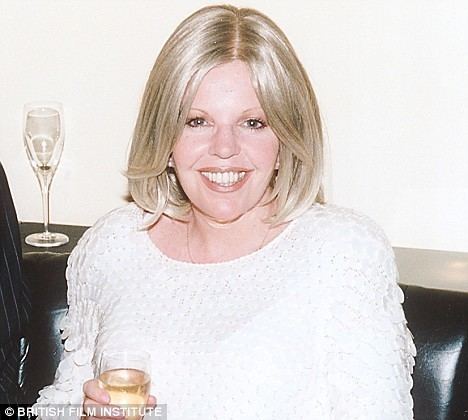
(73, 232)
(420, 267)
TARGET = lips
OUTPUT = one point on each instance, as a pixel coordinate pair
(224, 179)
(228, 179)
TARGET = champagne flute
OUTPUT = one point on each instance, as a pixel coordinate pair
(43, 139)
(125, 375)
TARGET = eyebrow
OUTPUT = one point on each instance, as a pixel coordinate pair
(256, 109)
(247, 111)
(197, 110)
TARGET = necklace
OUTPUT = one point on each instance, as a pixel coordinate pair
(190, 253)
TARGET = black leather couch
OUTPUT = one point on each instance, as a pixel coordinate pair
(438, 320)
(45, 270)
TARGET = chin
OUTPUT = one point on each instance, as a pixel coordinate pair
(225, 217)
(223, 214)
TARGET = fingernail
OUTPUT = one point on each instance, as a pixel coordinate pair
(105, 398)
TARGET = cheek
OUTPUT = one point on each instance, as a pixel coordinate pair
(261, 152)
(186, 152)
(265, 157)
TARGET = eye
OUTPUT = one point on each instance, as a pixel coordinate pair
(255, 123)
(196, 122)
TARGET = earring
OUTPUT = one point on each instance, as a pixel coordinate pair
(170, 163)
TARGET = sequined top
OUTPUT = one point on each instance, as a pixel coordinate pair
(308, 327)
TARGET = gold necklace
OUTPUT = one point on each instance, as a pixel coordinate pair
(188, 243)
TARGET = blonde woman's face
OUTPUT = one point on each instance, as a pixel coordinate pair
(227, 153)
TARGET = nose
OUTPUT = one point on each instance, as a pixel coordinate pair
(224, 142)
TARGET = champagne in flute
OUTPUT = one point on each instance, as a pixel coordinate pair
(43, 139)
(125, 376)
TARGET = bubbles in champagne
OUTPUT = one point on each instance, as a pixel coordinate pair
(128, 388)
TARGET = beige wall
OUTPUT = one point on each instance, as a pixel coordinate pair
(390, 77)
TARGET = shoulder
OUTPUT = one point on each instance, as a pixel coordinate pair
(346, 236)
(342, 226)
(117, 222)
(334, 218)
(120, 219)
(107, 235)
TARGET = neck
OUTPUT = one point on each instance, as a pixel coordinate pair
(212, 241)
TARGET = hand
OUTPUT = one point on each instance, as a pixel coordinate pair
(97, 398)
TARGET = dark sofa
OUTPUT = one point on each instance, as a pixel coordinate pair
(438, 320)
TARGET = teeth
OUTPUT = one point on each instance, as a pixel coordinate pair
(225, 179)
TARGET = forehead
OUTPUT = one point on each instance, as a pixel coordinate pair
(228, 83)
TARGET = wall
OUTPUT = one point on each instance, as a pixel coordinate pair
(390, 77)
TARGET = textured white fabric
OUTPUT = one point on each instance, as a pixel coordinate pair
(308, 327)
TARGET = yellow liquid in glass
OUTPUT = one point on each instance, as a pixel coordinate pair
(129, 389)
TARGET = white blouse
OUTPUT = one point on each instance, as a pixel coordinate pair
(308, 327)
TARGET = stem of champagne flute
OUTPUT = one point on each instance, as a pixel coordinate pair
(44, 181)
(45, 210)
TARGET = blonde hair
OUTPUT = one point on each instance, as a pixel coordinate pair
(212, 36)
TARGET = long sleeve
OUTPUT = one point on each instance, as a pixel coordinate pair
(370, 349)
(308, 327)
(80, 328)
(15, 301)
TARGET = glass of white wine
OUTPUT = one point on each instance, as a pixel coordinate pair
(43, 139)
(126, 376)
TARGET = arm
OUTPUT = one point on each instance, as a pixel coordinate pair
(14, 297)
(371, 351)
(80, 328)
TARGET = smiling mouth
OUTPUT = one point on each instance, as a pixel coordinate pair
(224, 179)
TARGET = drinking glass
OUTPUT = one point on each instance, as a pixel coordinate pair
(126, 376)
(43, 139)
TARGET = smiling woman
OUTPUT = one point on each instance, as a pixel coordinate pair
(224, 160)
(225, 139)
(283, 93)
(254, 298)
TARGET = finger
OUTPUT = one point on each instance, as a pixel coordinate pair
(151, 401)
(92, 390)
(99, 412)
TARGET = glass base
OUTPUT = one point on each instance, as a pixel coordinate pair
(46, 239)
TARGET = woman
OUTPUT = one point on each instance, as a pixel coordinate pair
(255, 299)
